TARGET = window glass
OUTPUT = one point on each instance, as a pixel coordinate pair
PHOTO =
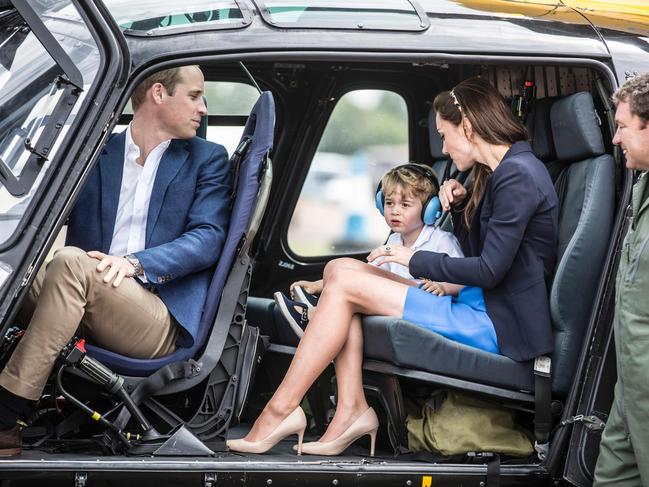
(361, 14)
(155, 17)
(336, 214)
(32, 86)
(227, 99)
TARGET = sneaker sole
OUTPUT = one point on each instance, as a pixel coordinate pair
(279, 301)
(300, 297)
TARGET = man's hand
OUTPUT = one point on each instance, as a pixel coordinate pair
(391, 253)
(451, 192)
(119, 267)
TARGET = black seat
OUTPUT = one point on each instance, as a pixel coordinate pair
(585, 186)
(539, 127)
(440, 161)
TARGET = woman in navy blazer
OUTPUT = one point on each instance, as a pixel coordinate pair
(507, 227)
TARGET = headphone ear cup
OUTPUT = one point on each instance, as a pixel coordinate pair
(432, 211)
(379, 200)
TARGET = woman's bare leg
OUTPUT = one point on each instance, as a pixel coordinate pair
(349, 289)
(351, 401)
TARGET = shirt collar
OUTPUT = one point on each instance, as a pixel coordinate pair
(424, 236)
(132, 150)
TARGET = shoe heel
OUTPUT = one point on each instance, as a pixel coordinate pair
(300, 437)
(373, 441)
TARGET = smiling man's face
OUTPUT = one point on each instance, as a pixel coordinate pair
(632, 135)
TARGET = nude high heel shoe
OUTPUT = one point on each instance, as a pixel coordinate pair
(366, 424)
(293, 424)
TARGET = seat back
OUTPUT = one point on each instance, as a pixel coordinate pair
(249, 199)
(585, 187)
(440, 160)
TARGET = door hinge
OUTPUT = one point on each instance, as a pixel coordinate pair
(28, 274)
(591, 422)
(209, 480)
(80, 479)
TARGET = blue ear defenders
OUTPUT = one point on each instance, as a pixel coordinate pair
(432, 208)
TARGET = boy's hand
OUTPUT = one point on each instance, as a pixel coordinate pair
(391, 253)
(311, 287)
(451, 191)
(434, 287)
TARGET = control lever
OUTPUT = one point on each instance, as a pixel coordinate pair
(74, 355)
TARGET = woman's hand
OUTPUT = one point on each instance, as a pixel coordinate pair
(391, 253)
(434, 287)
(311, 287)
(451, 191)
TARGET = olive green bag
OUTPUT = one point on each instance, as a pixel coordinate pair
(451, 423)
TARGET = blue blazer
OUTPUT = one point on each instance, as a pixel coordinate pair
(510, 252)
(186, 223)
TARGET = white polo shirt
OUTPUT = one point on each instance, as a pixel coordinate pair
(432, 239)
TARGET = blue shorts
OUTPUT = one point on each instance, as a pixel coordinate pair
(463, 319)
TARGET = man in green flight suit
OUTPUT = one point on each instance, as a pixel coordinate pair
(624, 451)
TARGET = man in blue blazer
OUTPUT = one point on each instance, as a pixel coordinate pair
(142, 240)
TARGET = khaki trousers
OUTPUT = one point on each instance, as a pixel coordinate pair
(69, 297)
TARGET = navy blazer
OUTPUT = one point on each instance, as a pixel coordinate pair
(186, 223)
(510, 252)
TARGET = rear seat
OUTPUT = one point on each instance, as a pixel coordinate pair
(440, 160)
(585, 186)
(540, 130)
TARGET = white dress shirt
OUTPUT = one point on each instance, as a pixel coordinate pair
(431, 238)
(134, 197)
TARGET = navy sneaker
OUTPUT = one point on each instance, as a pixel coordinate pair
(296, 319)
(301, 296)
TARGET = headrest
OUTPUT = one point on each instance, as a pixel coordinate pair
(575, 128)
(433, 137)
(541, 130)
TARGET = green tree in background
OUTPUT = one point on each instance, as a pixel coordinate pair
(353, 127)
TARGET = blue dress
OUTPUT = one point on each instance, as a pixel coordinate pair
(463, 318)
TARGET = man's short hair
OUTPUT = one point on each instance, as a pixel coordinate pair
(169, 78)
(636, 92)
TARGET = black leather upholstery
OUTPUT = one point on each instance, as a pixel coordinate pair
(400, 342)
(440, 160)
(586, 214)
(540, 130)
(575, 128)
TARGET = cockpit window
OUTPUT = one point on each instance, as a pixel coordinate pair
(155, 17)
(46, 71)
(343, 14)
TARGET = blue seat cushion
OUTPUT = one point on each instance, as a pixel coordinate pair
(394, 340)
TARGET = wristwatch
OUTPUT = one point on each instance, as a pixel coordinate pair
(139, 270)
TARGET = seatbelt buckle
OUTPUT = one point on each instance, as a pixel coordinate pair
(542, 365)
(541, 450)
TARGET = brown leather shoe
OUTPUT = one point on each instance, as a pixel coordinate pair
(11, 442)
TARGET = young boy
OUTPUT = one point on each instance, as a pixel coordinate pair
(405, 197)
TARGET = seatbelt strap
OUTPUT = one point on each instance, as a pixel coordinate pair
(493, 471)
(542, 404)
(447, 169)
(155, 382)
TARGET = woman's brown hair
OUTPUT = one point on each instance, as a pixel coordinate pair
(491, 118)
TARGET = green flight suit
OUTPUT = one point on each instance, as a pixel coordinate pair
(624, 450)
